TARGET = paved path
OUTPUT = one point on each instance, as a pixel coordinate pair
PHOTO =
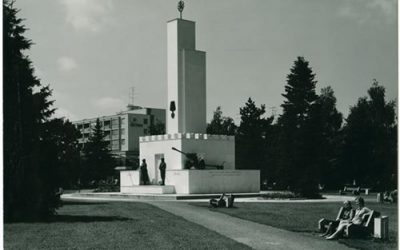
(255, 235)
(116, 196)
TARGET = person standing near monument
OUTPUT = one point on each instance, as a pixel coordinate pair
(144, 176)
(162, 167)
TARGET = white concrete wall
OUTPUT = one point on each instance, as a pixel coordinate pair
(128, 178)
(193, 101)
(215, 151)
(214, 181)
(172, 75)
(179, 179)
(173, 159)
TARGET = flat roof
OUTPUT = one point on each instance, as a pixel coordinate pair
(180, 19)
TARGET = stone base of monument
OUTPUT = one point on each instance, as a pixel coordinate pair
(191, 181)
(148, 189)
(214, 181)
(218, 151)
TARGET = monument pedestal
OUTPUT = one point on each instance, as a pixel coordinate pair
(194, 181)
(148, 189)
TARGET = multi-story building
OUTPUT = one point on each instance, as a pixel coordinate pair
(122, 130)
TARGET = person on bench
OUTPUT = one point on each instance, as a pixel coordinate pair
(220, 202)
(357, 219)
(390, 196)
(345, 213)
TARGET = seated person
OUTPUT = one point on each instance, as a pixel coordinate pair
(357, 219)
(221, 202)
(393, 195)
(390, 196)
(346, 214)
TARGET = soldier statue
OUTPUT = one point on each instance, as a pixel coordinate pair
(162, 167)
(144, 176)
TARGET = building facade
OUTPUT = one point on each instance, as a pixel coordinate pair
(123, 130)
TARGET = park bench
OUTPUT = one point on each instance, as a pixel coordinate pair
(363, 230)
(323, 223)
(223, 201)
(356, 190)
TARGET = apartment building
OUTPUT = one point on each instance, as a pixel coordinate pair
(122, 130)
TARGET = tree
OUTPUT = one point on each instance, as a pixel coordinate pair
(28, 194)
(221, 125)
(325, 125)
(60, 138)
(99, 163)
(251, 137)
(297, 167)
(370, 145)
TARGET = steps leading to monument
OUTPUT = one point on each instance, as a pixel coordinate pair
(148, 189)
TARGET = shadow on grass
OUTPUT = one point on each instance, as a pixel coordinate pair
(68, 203)
(85, 218)
(72, 219)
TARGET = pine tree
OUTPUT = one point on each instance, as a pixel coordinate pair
(221, 125)
(60, 139)
(251, 137)
(297, 167)
(370, 145)
(27, 192)
(99, 163)
(325, 129)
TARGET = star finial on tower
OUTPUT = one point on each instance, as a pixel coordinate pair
(181, 5)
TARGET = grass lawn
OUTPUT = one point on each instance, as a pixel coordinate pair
(119, 225)
(303, 217)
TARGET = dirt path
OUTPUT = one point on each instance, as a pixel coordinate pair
(255, 235)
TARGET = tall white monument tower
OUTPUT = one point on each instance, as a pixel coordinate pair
(186, 128)
(186, 80)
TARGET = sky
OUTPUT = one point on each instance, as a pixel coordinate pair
(92, 52)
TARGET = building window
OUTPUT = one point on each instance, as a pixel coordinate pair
(115, 132)
(145, 131)
(115, 144)
(123, 120)
(122, 131)
(145, 120)
(123, 142)
(115, 123)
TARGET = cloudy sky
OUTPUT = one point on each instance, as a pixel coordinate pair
(92, 52)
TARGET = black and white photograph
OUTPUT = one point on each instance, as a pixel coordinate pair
(207, 124)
